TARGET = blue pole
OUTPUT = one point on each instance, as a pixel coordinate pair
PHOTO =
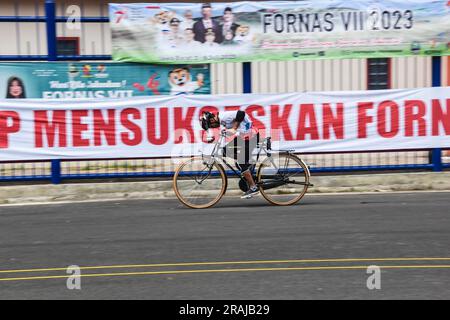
(247, 77)
(436, 159)
(56, 171)
(51, 29)
(436, 154)
(436, 71)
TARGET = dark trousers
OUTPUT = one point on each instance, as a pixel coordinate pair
(241, 150)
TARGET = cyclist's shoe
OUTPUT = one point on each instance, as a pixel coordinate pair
(250, 193)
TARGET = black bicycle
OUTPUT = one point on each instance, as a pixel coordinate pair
(283, 178)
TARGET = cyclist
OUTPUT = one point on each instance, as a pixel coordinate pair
(238, 124)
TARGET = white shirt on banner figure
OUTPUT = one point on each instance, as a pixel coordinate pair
(189, 43)
(188, 22)
(210, 38)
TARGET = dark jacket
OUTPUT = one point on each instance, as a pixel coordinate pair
(233, 28)
(199, 31)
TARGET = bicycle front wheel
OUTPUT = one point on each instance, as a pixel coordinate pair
(199, 184)
(283, 179)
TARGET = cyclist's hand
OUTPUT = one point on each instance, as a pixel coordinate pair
(231, 132)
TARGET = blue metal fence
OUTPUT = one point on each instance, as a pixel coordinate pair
(57, 170)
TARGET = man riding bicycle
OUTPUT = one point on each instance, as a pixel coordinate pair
(239, 125)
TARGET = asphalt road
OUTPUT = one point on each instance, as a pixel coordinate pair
(240, 249)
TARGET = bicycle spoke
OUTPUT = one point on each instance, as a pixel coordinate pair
(290, 171)
(199, 185)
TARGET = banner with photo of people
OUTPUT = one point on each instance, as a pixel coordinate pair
(278, 30)
(62, 80)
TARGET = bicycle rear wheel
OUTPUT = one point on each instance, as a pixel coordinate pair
(199, 184)
(283, 179)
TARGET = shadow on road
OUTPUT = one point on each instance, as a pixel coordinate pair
(252, 203)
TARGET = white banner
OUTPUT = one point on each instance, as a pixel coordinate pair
(168, 126)
(278, 30)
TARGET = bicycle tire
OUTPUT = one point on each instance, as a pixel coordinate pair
(190, 204)
(272, 198)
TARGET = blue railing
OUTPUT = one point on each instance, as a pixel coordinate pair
(55, 172)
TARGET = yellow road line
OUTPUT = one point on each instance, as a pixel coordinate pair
(190, 264)
(175, 272)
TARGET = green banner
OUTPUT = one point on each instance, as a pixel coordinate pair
(278, 30)
(62, 80)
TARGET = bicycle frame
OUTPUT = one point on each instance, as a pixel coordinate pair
(264, 146)
(278, 172)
